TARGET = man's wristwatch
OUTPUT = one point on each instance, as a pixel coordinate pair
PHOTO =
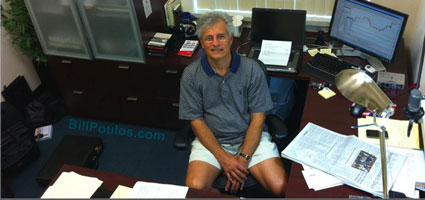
(247, 157)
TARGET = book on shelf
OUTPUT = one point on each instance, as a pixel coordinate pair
(159, 39)
(157, 48)
(188, 48)
(164, 50)
(173, 10)
(43, 133)
(156, 54)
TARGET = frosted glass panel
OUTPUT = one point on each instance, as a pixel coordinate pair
(58, 27)
(112, 29)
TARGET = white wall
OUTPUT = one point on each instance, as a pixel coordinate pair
(14, 64)
(417, 47)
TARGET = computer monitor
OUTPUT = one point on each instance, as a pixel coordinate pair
(368, 27)
(278, 24)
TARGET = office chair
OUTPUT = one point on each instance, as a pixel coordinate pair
(276, 128)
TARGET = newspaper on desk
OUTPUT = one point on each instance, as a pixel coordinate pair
(354, 162)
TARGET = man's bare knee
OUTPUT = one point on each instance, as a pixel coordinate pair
(197, 183)
(278, 188)
(201, 175)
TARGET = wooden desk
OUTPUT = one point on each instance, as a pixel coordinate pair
(332, 114)
(111, 181)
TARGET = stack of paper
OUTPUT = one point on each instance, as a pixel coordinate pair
(354, 162)
(72, 185)
(318, 180)
(422, 123)
(156, 190)
(150, 190)
(412, 172)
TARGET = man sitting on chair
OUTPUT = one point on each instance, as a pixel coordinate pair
(225, 97)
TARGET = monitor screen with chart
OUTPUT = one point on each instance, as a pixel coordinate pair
(368, 27)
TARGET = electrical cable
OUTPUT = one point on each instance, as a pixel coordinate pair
(237, 49)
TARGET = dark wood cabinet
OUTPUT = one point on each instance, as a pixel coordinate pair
(145, 94)
(130, 92)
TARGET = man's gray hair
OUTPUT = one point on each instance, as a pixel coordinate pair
(211, 18)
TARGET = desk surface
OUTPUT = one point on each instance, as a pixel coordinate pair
(333, 114)
(111, 181)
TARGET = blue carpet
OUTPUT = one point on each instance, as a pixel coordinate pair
(135, 151)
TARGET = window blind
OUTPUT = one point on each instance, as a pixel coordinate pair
(317, 10)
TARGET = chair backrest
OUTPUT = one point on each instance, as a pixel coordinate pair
(263, 67)
(282, 92)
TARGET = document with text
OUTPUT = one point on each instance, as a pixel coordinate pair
(157, 190)
(356, 163)
(275, 52)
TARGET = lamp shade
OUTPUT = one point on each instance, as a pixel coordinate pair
(359, 88)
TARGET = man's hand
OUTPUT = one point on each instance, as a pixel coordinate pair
(236, 182)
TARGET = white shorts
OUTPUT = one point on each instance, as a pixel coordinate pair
(266, 149)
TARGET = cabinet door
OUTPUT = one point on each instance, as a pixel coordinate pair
(58, 27)
(74, 78)
(112, 29)
(169, 82)
(169, 115)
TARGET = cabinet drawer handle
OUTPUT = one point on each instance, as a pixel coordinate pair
(132, 98)
(77, 92)
(66, 61)
(123, 67)
(171, 71)
(175, 104)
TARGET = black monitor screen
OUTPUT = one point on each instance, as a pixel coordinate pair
(366, 26)
(278, 24)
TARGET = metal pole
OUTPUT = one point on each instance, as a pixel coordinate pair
(383, 161)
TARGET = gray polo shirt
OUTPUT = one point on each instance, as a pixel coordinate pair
(224, 103)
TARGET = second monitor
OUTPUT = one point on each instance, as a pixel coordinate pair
(368, 27)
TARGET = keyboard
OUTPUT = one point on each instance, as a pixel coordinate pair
(325, 67)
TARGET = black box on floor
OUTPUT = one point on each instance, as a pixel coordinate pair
(83, 151)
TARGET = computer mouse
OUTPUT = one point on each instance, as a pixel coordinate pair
(357, 110)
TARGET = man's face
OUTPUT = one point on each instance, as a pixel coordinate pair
(216, 41)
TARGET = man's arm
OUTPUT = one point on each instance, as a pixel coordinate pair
(233, 169)
(251, 141)
(253, 134)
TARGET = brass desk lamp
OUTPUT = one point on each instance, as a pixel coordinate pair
(359, 88)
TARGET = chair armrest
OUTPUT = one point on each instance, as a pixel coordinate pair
(183, 138)
(277, 127)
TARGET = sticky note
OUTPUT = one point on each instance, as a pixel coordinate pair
(313, 52)
(326, 93)
(327, 51)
